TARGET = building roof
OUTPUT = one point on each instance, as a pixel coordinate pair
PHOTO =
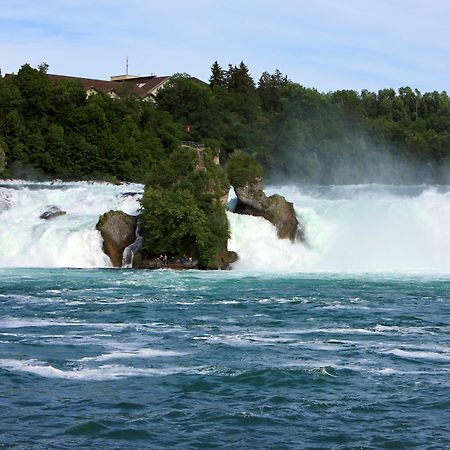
(149, 87)
(133, 78)
(142, 86)
(88, 83)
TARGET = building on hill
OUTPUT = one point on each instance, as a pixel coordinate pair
(145, 87)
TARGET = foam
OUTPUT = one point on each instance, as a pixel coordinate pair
(101, 373)
(402, 330)
(14, 322)
(352, 229)
(419, 355)
(140, 353)
(67, 241)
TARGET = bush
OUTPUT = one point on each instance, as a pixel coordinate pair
(172, 223)
(243, 169)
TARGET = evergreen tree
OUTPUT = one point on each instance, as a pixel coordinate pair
(270, 90)
(239, 79)
(217, 78)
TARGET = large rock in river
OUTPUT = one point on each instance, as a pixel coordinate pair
(118, 231)
(276, 209)
(227, 258)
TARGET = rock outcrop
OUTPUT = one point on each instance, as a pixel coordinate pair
(118, 231)
(276, 209)
(227, 257)
(143, 260)
(52, 212)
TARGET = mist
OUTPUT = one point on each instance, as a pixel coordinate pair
(355, 160)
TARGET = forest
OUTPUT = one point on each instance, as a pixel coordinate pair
(49, 129)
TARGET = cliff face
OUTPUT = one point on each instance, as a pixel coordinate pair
(276, 209)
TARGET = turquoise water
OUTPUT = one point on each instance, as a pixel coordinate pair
(100, 358)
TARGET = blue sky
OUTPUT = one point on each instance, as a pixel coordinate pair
(340, 44)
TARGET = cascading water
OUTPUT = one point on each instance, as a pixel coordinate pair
(71, 240)
(359, 228)
(348, 228)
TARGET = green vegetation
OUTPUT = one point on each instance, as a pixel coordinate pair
(51, 130)
(243, 169)
(299, 134)
(182, 214)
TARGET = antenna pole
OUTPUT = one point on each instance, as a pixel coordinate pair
(126, 66)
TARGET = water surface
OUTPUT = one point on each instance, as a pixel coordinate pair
(104, 358)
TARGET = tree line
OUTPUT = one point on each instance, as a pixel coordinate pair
(50, 129)
(302, 135)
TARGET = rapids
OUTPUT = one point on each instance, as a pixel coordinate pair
(134, 359)
(67, 241)
(363, 228)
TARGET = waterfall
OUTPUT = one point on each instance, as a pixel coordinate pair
(364, 228)
(71, 240)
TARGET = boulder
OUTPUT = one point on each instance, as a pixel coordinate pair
(52, 212)
(118, 231)
(227, 257)
(131, 194)
(276, 209)
(142, 260)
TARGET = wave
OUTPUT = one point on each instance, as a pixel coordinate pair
(102, 373)
(420, 355)
(139, 353)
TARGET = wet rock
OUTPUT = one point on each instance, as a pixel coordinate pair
(227, 257)
(131, 194)
(144, 260)
(52, 212)
(276, 209)
(118, 231)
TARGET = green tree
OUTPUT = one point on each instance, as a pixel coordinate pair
(182, 210)
(191, 104)
(243, 169)
(270, 90)
(172, 222)
(217, 78)
(239, 79)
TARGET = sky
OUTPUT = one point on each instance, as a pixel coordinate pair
(325, 44)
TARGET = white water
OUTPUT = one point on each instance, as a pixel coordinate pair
(66, 241)
(353, 229)
(347, 228)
